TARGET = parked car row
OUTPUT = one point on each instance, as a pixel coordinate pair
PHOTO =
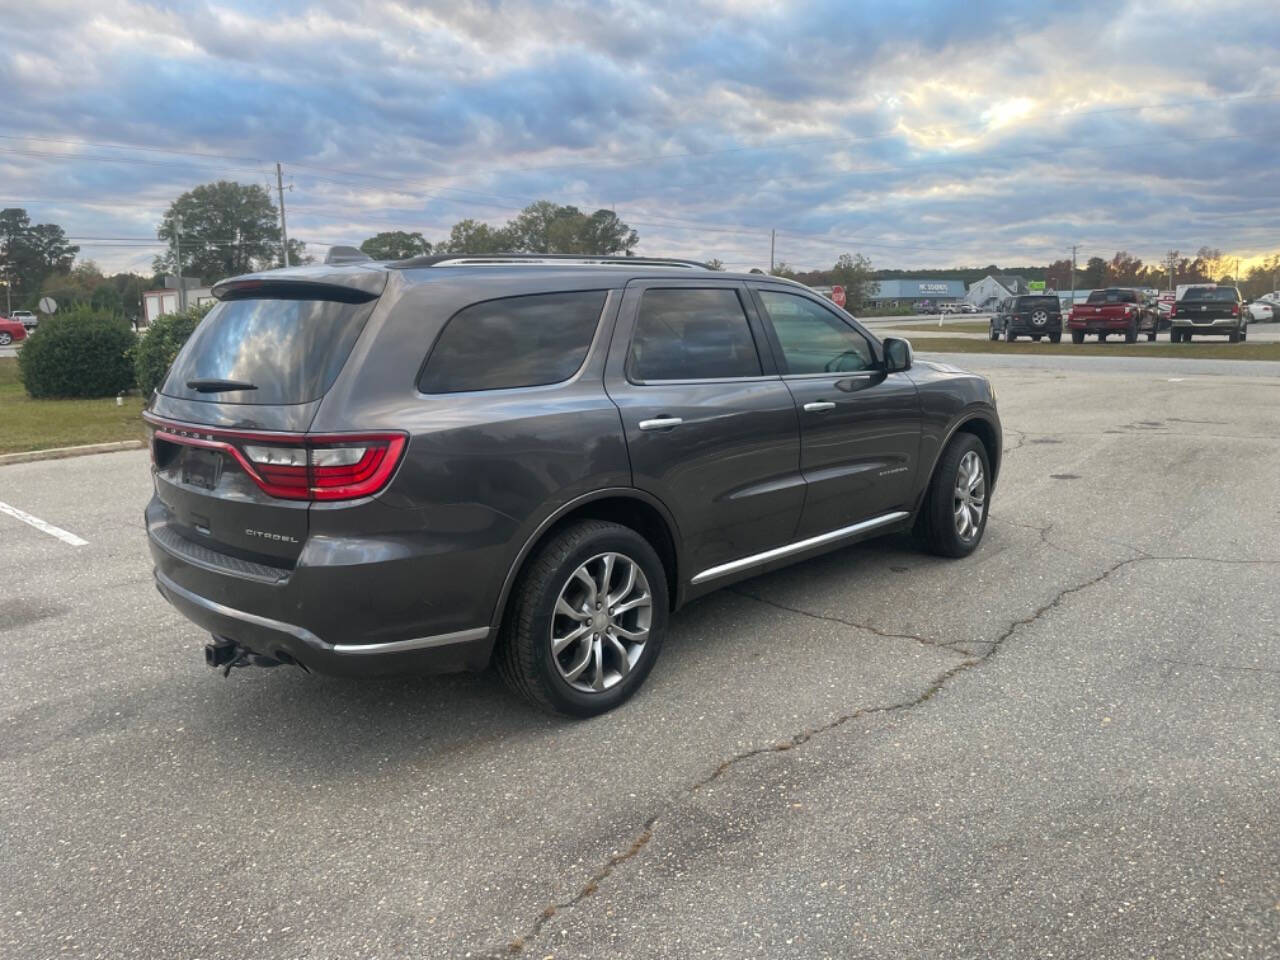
(1208, 310)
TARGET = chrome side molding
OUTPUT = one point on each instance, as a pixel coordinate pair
(799, 546)
(396, 646)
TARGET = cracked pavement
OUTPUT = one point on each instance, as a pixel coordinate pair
(1067, 744)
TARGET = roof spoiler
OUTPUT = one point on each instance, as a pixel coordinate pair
(540, 259)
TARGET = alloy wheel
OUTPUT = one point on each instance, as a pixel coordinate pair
(601, 622)
(970, 496)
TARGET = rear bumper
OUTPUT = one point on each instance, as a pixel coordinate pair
(445, 653)
(1101, 325)
(314, 616)
(1221, 325)
(1027, 328)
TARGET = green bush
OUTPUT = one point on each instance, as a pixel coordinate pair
(80, 353)
(161, 343)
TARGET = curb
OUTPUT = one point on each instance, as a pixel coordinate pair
(61, 453)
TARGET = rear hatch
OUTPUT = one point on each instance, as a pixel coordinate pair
(234, 464)
(1206, 304)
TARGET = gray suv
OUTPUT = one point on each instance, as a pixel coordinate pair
(438, 463)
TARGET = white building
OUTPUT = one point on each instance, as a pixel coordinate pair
(987, 293)
(156, 303)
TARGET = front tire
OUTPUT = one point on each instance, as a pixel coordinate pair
(1009, 335)
(1055, 338)
(994, 333)
(956, 505)
(1077, 336)
(586, 620)
(6, 338)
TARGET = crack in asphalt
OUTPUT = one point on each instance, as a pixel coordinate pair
(799, 739)
(869, 628)
(1220, 666)
(1020, 440)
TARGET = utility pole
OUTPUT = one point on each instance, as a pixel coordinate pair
(284, 230)
(1173, 263)
(772, 235)
(177, 241)
(1074, 248)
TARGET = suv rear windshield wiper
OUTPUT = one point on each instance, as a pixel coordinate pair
(220, 386)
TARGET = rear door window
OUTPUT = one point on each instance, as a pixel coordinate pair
(288, 350)
(528, 341)
(692, 334)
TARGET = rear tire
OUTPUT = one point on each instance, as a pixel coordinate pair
(1131, 333)
(1036, 337)
(1077, 336)
(942, 524)
(1102, 338)
(1151, 337)
(994, 334)
(1009, 335)
(1055, 338)
(525, 657)
(6, 338)
(1234, 336)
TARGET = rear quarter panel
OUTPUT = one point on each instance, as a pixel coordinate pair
(482, 470)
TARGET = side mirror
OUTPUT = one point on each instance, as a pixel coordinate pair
(897, 355)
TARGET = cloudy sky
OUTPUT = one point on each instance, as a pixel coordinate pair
(916, 133)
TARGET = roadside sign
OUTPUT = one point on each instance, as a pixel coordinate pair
(1036, 285)
(48, 305)
(837, 295)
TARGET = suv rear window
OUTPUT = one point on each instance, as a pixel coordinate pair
(1214, 294)
(1038, 303)
(290, 349)
(526, 341)
(1113, 296)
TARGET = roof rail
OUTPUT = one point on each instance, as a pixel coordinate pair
(541, 259)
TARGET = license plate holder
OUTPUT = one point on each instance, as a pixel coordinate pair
(201, 468)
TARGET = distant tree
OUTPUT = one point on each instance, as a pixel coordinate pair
(1058, 275)
(227, 228)
(298, 255)
(856, 275)
(715, 264)
(784, 270)
(475, 237)
(1124, 270)
(756, 270)
(546, 227)
(30, 253)
(1094, 274)
(396, 245)
(1262, 278)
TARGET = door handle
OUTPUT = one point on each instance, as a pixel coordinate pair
(819, 406)
(661, 423)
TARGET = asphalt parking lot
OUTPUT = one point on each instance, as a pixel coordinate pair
(1066, 745)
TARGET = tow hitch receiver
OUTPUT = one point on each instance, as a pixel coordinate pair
(226, 654)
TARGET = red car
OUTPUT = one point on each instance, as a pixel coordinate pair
(11, 331)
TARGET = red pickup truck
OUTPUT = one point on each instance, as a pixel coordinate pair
(1114, 310)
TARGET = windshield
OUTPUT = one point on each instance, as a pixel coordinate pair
(1212, 294)
(289, 351)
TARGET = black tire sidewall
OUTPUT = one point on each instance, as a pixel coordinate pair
(543, 594)
(942, 527)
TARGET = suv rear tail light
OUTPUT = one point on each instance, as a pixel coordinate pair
(1173, 311)
(297, 466)
(1235, 309)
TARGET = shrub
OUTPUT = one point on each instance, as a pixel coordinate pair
(80, 353)
(161, 343)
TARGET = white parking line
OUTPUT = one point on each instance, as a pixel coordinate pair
(42, 526)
